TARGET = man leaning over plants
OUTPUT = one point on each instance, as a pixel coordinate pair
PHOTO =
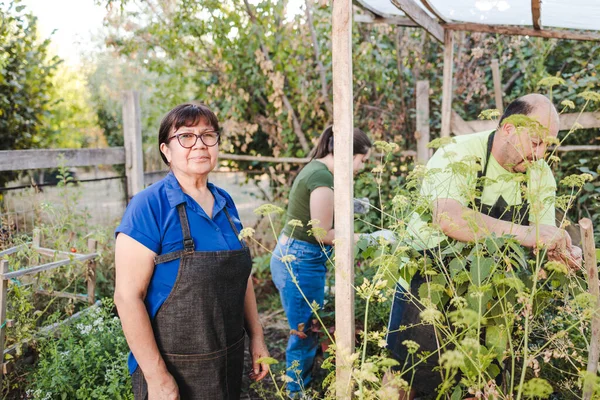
(486, 184)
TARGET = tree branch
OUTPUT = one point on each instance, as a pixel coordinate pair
(320, 66)
(286, 102)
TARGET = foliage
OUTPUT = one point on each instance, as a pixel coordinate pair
(26, 72)
(88, 360)
(71, 120)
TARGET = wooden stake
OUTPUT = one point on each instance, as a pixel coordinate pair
(132, 131)
(497, 85)
(422, 133)
(591, 265)
(91, 271)
(37, 238)
(3, 292)
(447, 82)
(343, 181)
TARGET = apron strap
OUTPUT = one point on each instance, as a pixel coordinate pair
(188, 242)
(235, 230)
(519, 214)
(483, 172)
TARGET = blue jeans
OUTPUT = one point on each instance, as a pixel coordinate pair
(309, 269)
(401, 299)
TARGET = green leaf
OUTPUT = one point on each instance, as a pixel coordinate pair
(480, 269)
(457, 394)
(456, 266)
(496, 338)
(267, 360)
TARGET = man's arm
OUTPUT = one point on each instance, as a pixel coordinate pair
(465, 225)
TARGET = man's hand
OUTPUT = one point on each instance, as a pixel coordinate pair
(554, 239)
(572, 257)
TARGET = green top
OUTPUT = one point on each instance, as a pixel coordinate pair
(315, 174)
(451, 174)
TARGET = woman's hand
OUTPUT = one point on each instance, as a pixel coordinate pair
(258, 350)
(163, 388)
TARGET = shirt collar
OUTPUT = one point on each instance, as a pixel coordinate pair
(176, 196)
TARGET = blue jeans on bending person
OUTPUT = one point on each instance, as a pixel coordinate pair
(309, 268)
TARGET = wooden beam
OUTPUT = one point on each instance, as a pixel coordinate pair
(434, 11)
(72, 296)
(591, 266)
(536, 14)
(343, 128)
(459, 126)
(134, 153)
(522, 31)
(447, 83)
(496, 77)
(91, 272)
(55, 253)
(583, 147)
(588, 120)
(422, 133)
(12, 250)
(241, 157)
(417, 14)
(46, 267)
(391, 20)
(18, 160)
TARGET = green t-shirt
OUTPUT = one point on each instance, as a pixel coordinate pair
(452, 174)
(315, 174)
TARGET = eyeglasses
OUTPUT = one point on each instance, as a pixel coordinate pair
(188, 140)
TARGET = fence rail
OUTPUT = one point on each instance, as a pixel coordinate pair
(19, 160)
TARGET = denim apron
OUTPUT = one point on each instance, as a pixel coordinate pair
(426, 379)
(199, 329)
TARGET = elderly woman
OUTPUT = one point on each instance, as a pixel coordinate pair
(183, 288)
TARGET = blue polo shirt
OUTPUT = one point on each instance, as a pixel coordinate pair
(152, 219)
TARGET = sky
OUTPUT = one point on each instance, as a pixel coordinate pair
(75, 21)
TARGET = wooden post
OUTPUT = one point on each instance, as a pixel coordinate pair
(3, 303)
(91, 271)
(447, 83)
(591, 265)
(37, 239)
(132, 131)
(497, 85)
(343, 127)
(422, 133)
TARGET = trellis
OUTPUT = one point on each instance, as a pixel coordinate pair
(65, 259)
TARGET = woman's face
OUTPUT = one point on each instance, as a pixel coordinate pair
(358, 162)
(200, 159)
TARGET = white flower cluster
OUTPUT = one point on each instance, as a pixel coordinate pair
(38, 395)
(84, 329)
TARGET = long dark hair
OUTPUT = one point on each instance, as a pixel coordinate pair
(362, 144)
(187, 114)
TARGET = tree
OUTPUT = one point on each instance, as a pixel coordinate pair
(26, 72)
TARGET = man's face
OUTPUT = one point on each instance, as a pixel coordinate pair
(527, 144)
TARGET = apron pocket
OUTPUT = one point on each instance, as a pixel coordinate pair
(216, 375)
